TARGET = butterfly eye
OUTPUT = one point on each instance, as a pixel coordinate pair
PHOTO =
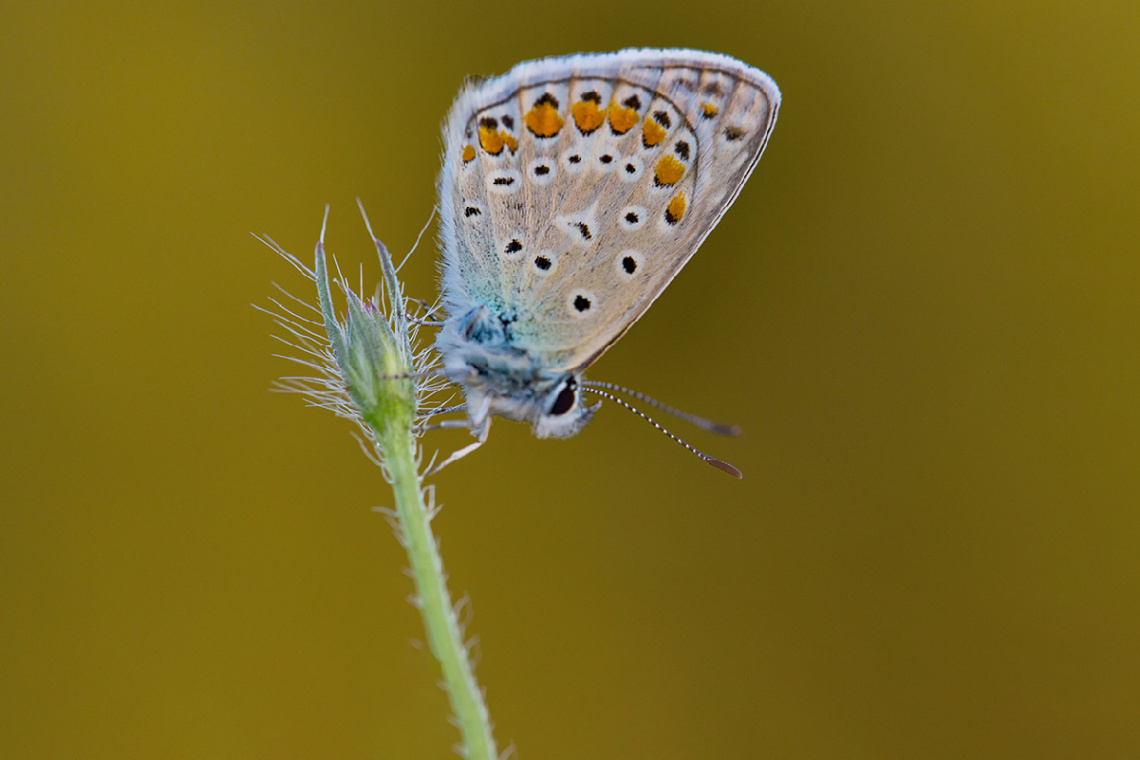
(566, 398)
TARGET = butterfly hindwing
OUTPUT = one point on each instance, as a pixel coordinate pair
(574, 189)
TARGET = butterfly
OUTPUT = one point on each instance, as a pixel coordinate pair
(573, 191)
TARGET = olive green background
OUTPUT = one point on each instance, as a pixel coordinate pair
(923, 309)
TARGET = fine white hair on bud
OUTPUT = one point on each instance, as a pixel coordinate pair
(367, 365)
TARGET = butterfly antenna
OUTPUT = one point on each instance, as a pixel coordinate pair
(701, 422)
(723, 466)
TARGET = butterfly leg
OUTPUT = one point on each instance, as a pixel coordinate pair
(424, 427)
(423, 304)
(427, 320)
(457, 455)
(446, 425)
(445, 410)
(423, 322)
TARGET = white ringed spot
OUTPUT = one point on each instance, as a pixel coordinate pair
(628, 264)
(504, 181)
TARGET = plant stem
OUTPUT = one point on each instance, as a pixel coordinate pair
(443, 630)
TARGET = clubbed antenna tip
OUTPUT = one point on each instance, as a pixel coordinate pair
(725, 467)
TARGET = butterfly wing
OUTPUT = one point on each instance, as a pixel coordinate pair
(574, 189)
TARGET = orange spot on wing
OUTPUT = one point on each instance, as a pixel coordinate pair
(652, 134)
(710, 110)
(493, 141)
(622, 119)
(676, 209)
(543, 120)
(587, 116)
(468, 153)
(669, 170)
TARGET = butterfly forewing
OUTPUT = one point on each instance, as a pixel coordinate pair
(574, 189)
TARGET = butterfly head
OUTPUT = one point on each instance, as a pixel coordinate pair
(563, 411)
(553, 405)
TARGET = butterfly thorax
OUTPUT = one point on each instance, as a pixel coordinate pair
(499, 377)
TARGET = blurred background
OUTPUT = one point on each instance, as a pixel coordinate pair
(923, 309)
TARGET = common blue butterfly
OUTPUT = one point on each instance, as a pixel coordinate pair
(573, 191)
